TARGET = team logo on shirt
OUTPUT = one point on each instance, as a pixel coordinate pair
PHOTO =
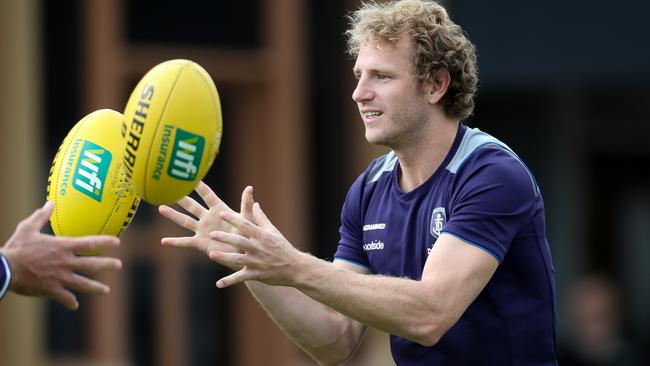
(438, 221)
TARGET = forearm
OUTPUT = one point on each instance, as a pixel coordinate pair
(327, 335)
(422, 310)
(411, 309)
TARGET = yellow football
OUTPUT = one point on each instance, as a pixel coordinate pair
(87, 180)
(172, 131)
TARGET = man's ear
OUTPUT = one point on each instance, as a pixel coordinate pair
(437, 88)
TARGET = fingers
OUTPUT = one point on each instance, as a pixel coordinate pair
(238, 241)
(90, 265)
(89, 243)
(181, 242)
(240, 223)
(193, 207)
(66, 298)
(261, 219)
(181, 219)
(83, 284)
(79, 283)
(247, 203)
(227, 259)
(41, 215)
(222, 247)
(207, 195)
(235, 278)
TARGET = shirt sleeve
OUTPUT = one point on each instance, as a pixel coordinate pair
(5, 276)
(495, 197)
(350, 247)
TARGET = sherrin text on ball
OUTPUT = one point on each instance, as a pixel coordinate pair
(172, 131)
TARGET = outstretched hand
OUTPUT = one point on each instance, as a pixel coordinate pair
(264, 254)
(46, 265)
(203, 220)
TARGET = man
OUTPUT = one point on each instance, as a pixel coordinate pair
(596, 326)
(37, 264)
(442, 241)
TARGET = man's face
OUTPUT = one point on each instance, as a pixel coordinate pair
(393, 106)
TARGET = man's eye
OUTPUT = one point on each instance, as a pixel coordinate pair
(382, 76)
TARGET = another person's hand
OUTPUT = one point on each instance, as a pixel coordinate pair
(204, 220)
(46, 265)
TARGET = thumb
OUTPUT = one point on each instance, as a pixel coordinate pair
(261, 219)
(40, 217)
(246, 209)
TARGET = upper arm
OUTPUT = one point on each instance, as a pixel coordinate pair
(350, 231)
(457, 271)
(495, 196)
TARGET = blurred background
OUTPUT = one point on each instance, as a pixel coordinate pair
(564, 83)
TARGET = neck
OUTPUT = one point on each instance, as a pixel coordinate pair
(421, 159)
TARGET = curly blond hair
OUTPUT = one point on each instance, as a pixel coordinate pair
(439, 43)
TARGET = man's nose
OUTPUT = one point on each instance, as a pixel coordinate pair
(362, 92)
